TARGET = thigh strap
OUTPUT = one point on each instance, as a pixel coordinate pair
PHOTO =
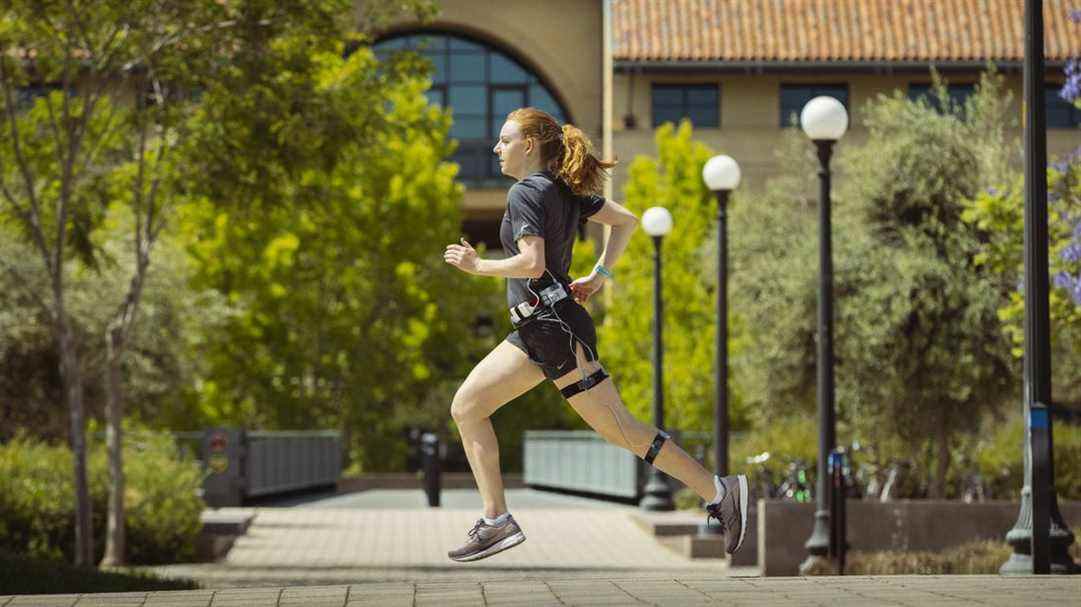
(655, 448)
(597, 377)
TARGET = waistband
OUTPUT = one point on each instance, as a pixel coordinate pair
(548, 297)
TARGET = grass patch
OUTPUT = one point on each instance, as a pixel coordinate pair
(24, 575)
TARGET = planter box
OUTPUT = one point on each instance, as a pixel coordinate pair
(784, 527)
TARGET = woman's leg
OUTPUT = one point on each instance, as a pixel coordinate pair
(603, 409)
(499, 378)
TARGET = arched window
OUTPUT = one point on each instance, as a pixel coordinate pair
(481, 85)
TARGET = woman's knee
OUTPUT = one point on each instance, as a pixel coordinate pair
(465, 406)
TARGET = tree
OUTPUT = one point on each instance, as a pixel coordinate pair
(919, 353)
(998, 213)
(52, 159)
(325, 200)
(672, 179)
(774, 287)
(162, 360)
(60, 156)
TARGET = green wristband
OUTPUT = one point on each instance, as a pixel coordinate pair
(603, 271)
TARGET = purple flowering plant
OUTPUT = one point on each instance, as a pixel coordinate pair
(1065, 227)
(998, 212)
(1071, 89)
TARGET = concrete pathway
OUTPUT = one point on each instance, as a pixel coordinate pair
(617, 590)
(393, 536)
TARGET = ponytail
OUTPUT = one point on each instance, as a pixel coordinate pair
(580, 169)
(566, 151)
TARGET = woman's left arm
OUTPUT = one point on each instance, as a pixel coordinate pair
(623, 224)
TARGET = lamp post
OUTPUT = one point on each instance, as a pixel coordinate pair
(824, 120)
(1040, 538)
(657, 222)
(721, 175)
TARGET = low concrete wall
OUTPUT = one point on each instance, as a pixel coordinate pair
(784, 527)
(396, 480)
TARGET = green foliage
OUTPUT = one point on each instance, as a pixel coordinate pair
(786, 440)
(37, 498)
(348, 315)
(998, 213)
(999, 458)
(687, 499)
(40, 179)
(920, 346)
(159, 368)
(672, 180)
(773, 288)
(918, 352)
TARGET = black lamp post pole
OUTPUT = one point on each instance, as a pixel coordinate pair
(720, 413)
(658, 496)
(819, 543)
(1040, 538)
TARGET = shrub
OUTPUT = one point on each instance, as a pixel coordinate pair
(37, 498)
(1001, 462)
(22, 575)
(687, 499)
(983, 557)
(787, 440)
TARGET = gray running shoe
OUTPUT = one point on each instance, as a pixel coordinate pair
(486, 540)
(731, 512)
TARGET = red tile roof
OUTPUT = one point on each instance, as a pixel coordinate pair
(836, 30)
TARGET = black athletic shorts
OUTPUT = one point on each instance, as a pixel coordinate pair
(546, 337)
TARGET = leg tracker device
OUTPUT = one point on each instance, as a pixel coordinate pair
(655, 448)
(597, 377)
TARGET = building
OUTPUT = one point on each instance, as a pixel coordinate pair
(739, 69)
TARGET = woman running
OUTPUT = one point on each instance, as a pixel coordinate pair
(558, 181)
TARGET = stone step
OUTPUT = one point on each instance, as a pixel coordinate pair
(221, 527)
(226, 521)
(681, 531)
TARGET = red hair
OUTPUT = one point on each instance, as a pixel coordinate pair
(566, 150)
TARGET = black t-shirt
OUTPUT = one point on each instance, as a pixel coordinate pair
(543, 205)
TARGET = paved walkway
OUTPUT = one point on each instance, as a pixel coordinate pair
(393, 536)
(619, 590)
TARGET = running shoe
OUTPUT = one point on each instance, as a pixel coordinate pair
(731, 511)
(486, 540)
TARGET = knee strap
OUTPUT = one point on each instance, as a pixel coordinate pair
(598, 376)
(655, 448)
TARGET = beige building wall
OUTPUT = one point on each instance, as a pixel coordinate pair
(563, 42)
(750, 111)
(559, 40)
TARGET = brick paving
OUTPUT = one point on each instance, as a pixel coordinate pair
(618, 590)
(378, 549)
(331, 546)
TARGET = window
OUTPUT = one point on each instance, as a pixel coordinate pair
(795, 96)
(25, 96)
(1061, 114)
(700, 103)
(481, 85)
(958, 93)
(482, 228)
